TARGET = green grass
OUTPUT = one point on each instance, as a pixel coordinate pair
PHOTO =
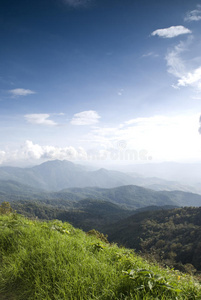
(55, 261)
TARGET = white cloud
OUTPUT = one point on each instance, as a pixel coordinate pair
(39, 119)
(150, 54)
(77, 3)
(191, 79)
(171, 32)
(164, 138)
(21, 92)
(34, 151)
(187, 75)
(88, 117)
(175, 63)
(194, 15)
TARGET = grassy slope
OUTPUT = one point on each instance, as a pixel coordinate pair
(53, 260)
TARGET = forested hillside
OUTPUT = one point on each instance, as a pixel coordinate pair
(171, 236)
(86, 214)
(127, 196)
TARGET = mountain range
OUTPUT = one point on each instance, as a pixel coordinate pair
(63, 183)
(57, 175)
(128, 197)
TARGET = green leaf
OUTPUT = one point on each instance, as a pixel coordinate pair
(150, 285)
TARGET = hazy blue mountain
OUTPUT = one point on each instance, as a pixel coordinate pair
(185, 173)
(184, 198)
(11, 190)
(57, 175)
(159, 184)
(14, 187)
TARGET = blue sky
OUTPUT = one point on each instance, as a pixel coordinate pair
(100, 80)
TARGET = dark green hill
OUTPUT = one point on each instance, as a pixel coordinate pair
(134, 197)
(130, 196)
(172, 236)
(85, 214)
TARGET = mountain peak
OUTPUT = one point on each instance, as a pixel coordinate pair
(56, 162)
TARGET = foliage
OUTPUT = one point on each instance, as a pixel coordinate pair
(148, 281)
(99, 235)
(53, 260)
(5, 208)
(86, 214)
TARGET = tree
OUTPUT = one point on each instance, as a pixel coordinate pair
(5, 208)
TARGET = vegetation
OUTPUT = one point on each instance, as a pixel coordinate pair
(172, 237)
(53, 260)
(85, 214)
(5, 208)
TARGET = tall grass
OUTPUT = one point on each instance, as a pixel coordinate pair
(55, 261)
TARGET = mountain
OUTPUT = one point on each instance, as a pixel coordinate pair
(184, 198)
(13, 187)
(127, 196)
(57, 175)
(159, 184)
(184, 173)
(134, 197)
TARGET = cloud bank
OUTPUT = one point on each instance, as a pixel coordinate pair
(161, 138)
(165, 138)
(31, 151)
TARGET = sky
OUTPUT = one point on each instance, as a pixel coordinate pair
(99, 80)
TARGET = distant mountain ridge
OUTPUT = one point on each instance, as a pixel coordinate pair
(63, 183)
(57, 175)
(128, 197)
